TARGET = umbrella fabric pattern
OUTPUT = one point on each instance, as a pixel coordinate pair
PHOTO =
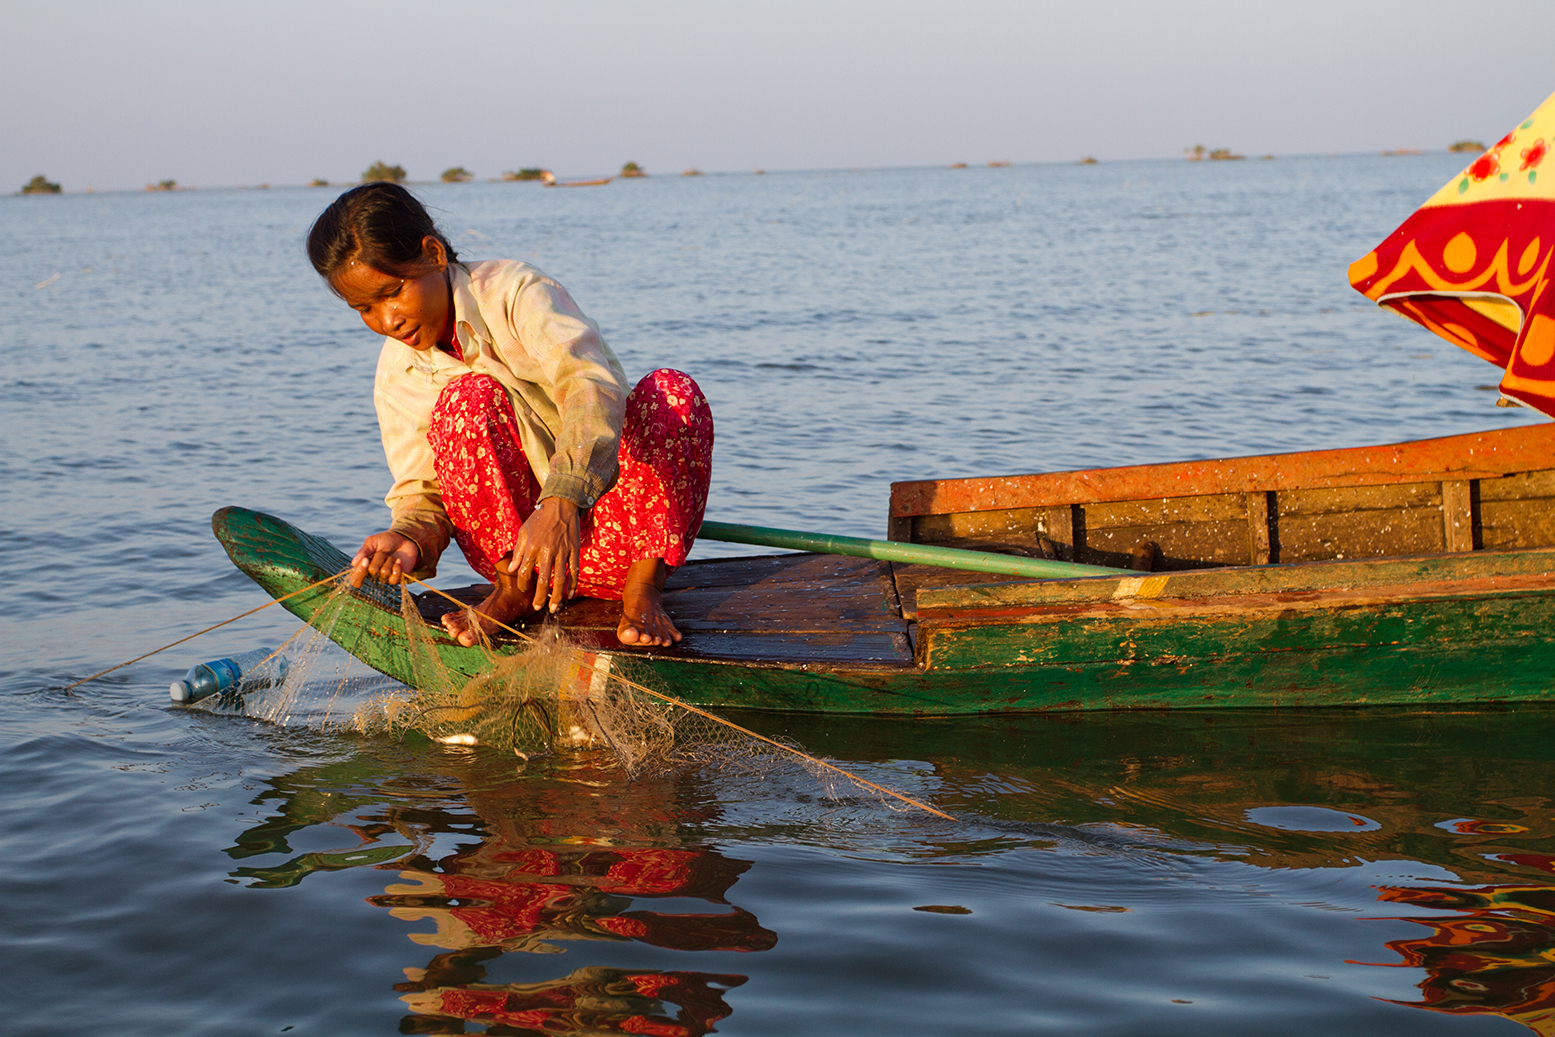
(1473, 263)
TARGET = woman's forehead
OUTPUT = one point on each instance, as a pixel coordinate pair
(359, 280)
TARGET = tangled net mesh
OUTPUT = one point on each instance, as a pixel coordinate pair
(547, 695)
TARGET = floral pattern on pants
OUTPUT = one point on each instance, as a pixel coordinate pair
(653, 511)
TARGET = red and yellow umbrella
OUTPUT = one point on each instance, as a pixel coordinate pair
(1473, 263)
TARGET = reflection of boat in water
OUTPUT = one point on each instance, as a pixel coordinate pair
(526, 873)
(1494, 956)
(1414, 573)
(567, 854)
(550, 180)
(591, 1000)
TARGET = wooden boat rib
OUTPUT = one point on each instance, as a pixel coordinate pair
(1417, 573)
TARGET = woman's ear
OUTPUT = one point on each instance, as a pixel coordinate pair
(433, 252)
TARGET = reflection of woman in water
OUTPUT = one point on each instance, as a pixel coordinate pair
(516, 891)
(500, 897)
(536, 875)
(510, 427)
(497, 895)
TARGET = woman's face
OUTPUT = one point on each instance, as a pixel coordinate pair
(413, 308)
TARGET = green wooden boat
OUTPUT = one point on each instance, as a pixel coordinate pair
(1415, 573)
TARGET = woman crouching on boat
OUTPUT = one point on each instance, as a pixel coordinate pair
(508, 426)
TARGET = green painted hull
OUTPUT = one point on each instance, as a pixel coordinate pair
(1445, 630)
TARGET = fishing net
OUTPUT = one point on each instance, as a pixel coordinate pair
(323, 687)
(544, 695)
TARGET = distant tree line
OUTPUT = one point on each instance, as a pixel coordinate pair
(381, 170)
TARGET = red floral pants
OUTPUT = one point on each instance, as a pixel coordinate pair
(653, 511)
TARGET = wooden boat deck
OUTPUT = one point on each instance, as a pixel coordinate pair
(798, 609)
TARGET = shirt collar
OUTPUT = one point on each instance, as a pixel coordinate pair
(468, 324)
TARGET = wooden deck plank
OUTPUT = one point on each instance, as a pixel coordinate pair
(855, 652)
(910, 579)
(799, 609)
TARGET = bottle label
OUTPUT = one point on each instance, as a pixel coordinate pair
(226, 671)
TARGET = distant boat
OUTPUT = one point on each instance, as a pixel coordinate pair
(550, 181)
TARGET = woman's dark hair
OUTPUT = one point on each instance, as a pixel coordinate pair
(380, 224)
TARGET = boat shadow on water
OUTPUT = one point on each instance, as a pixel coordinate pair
(568, 852)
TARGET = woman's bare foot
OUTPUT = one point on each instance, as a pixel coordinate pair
(506, 602)
(643, 619)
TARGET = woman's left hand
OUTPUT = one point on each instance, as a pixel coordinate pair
(548, 548)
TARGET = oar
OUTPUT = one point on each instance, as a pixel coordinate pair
(895, 551)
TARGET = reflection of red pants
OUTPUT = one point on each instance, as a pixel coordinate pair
(653, 511)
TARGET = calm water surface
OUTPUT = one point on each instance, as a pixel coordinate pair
(1225, 873)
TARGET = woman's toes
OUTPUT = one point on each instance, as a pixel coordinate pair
(459, 627)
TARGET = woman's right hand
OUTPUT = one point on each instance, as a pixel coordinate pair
(386, 556)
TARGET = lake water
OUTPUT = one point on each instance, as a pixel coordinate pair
(174, 871)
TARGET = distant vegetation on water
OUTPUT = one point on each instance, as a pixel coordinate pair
(381, 170)
(632, 169)
(318, 181)
(163, 185)
(527, 173)
(41, 184)
(1466, 145)
(457, 175)
(1199, 153)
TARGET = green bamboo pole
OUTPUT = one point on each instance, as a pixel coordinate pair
(894, 551)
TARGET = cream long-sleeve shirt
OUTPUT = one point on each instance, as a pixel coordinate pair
(568, 391)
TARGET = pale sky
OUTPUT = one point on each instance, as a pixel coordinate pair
(115, 95)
